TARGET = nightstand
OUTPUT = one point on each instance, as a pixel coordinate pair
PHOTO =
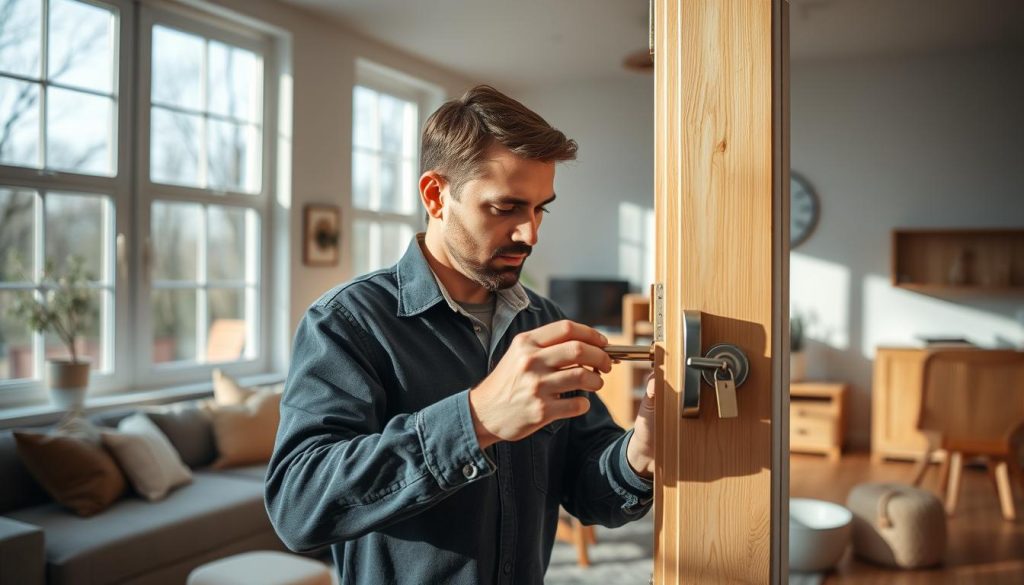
(817, 418)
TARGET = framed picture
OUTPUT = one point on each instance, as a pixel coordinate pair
(321, 233)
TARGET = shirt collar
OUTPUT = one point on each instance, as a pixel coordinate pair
(420, 289)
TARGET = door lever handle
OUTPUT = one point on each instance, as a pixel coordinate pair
(724, 367)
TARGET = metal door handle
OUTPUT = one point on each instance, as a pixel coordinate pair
(724, 367)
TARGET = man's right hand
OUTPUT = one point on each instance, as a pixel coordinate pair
(522, 394)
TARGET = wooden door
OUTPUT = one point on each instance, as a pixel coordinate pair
(721, 203)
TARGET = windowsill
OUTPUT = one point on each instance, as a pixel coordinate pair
(43, 414)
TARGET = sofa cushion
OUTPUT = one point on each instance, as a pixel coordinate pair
(256, 472)
(149, 461)
(134, 536)
(245, 433)
(189, 429)
(76, 472)
(18, 488)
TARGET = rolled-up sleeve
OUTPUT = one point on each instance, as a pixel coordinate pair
(341, 467)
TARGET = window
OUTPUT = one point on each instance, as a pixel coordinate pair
(59, 107)
(170, 215)
(385, 157)
(204, 192)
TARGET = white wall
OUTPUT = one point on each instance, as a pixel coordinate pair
(613, 122)
(932, 141)
(323, 72)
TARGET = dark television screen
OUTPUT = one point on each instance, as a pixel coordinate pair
(597, 303)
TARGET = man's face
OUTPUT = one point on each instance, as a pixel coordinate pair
(493, 226)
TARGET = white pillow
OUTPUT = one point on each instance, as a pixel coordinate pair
(147, 457)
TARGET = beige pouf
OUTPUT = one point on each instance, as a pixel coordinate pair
(262, 567)
(897, 525)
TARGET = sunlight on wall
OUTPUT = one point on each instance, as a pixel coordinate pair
(820, 291)
(636, 245)
(894, 316)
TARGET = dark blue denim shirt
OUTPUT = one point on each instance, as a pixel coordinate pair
(377, 457)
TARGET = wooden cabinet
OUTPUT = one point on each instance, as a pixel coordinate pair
(895, 402)
(817, 418)
(960, 260)
(623, 387)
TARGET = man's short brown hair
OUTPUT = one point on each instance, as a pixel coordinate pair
(458, 134)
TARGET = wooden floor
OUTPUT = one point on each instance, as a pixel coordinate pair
(982, 547)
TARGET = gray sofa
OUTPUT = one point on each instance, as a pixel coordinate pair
(134, 541)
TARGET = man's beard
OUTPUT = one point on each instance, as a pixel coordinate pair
(492, 278)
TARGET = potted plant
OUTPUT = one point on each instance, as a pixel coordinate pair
(61, 307)
(797, 356)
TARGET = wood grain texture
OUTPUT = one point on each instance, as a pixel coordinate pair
(714, 168)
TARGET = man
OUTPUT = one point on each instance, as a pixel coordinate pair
(437, 413)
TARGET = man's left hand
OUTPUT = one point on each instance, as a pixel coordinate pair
(640, 451)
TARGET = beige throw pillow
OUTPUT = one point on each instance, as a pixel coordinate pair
(147, 457)
(228, 392)
(74, 469)
(245, 433)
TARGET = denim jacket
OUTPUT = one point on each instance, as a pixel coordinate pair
(376, 454)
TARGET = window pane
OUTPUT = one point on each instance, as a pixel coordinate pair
(364, 174)
(74, 225)
(19, 123)
(227, 327)
(17, 222)
(177, 68)
(174, 150)
(16, 355)
(390, 186)
(394, 239)
(81, 45)
(233, 152)
(174, 325)
(392, 123)
(364, 116)
(378, 244)
(79, 130)
(21, 36)
(235, 82)
(175, 229)
(227, 239)
(89, 345)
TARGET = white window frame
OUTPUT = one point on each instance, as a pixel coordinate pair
(116, 187)
(131, 195)
(426, 97)
(147, 192)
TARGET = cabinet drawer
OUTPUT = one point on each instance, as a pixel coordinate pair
(812, 409)
(812, 432)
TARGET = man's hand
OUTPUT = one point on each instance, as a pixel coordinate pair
(522, 394)
(640, 451)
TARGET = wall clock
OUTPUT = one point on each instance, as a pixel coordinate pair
(804, 209)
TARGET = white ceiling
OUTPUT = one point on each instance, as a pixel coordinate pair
(530, 42)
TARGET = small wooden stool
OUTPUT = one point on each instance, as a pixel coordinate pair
(261, 567)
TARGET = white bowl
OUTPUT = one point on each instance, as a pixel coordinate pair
(819, 533)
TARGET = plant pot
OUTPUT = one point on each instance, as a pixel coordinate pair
(797, 366)
(67, 382)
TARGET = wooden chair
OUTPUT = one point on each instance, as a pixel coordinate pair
(572, 530)
(972, 404)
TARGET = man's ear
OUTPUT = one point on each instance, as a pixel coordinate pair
(433, 191)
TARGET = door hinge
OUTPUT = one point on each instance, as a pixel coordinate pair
(650, 27)
(658, 310)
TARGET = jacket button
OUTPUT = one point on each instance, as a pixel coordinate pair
(469, 470)
(507, 568)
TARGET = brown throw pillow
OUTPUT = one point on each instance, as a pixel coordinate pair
(77, 473)
(245, 433)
